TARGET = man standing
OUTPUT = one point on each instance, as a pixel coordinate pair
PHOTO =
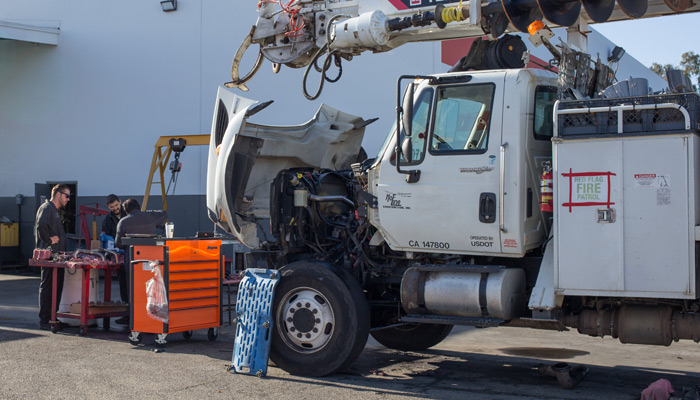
(109, 227)
(49, 233)
(136, 221)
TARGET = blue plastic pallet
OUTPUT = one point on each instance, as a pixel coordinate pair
(251, 348)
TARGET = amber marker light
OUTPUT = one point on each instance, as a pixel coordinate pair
(535, 27)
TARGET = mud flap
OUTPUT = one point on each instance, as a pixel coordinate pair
(251, 347)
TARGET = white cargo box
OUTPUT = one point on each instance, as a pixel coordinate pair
(625, 215)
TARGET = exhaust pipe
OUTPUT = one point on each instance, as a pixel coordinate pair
(656, 325)
(567, 377)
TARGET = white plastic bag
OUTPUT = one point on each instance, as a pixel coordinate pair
(157, 304)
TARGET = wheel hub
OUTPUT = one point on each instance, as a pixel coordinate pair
(307, 320)
(304, 320)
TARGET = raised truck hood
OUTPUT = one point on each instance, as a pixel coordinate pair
(250, 156)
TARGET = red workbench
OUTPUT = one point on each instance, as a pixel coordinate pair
(85, 267)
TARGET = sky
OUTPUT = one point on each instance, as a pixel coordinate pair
(662, 40)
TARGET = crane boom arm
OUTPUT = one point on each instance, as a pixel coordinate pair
(297, 33)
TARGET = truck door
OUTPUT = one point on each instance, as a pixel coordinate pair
(453, 208)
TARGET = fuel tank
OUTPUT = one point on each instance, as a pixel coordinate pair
(464, 291)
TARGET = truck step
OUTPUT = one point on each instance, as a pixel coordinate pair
(481, 322)
(538, 323)
(251, 347)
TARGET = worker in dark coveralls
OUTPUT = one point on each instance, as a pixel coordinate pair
(49, 233)
(136, 221)
(109, 227)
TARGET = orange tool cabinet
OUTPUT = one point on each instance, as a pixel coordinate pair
(192, 271)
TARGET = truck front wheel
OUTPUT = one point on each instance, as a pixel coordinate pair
(412, 337)
(321, 320)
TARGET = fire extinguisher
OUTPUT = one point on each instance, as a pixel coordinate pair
(547, 188)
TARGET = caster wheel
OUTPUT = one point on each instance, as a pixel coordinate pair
(135, 338)
(213, 333)
(54, 328)
(187, 335)
(105, 324)
(160, 339)
(83, 331)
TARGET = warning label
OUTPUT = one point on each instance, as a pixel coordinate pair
(645, 180)
(652, 181)
(512, 243)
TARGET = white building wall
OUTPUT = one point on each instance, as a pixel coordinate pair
(124, 73)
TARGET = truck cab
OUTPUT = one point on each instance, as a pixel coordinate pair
(479, 144)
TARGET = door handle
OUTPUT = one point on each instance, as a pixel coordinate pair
(487, 208)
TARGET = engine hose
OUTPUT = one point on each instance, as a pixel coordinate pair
(323, 218)
(362, 252)
(318, 250)
(328, 222)
(311, 215)
(314, 248)
(317, 198)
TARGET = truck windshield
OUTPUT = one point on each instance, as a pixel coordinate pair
(462, 117)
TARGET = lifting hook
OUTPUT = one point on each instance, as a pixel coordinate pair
(236, 81)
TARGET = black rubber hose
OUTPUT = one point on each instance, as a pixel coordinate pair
(338, 62)
(326, 62)
(306, 75)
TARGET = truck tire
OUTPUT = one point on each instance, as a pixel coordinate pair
(321, 320)
(412, 337)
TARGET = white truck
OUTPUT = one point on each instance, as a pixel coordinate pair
(450, 224)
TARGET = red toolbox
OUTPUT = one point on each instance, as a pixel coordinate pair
(192, 271)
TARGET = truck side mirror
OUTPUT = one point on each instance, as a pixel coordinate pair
(407, 149)
(407, 106)
(404, 119)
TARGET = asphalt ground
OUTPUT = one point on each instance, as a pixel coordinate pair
(493, 363)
